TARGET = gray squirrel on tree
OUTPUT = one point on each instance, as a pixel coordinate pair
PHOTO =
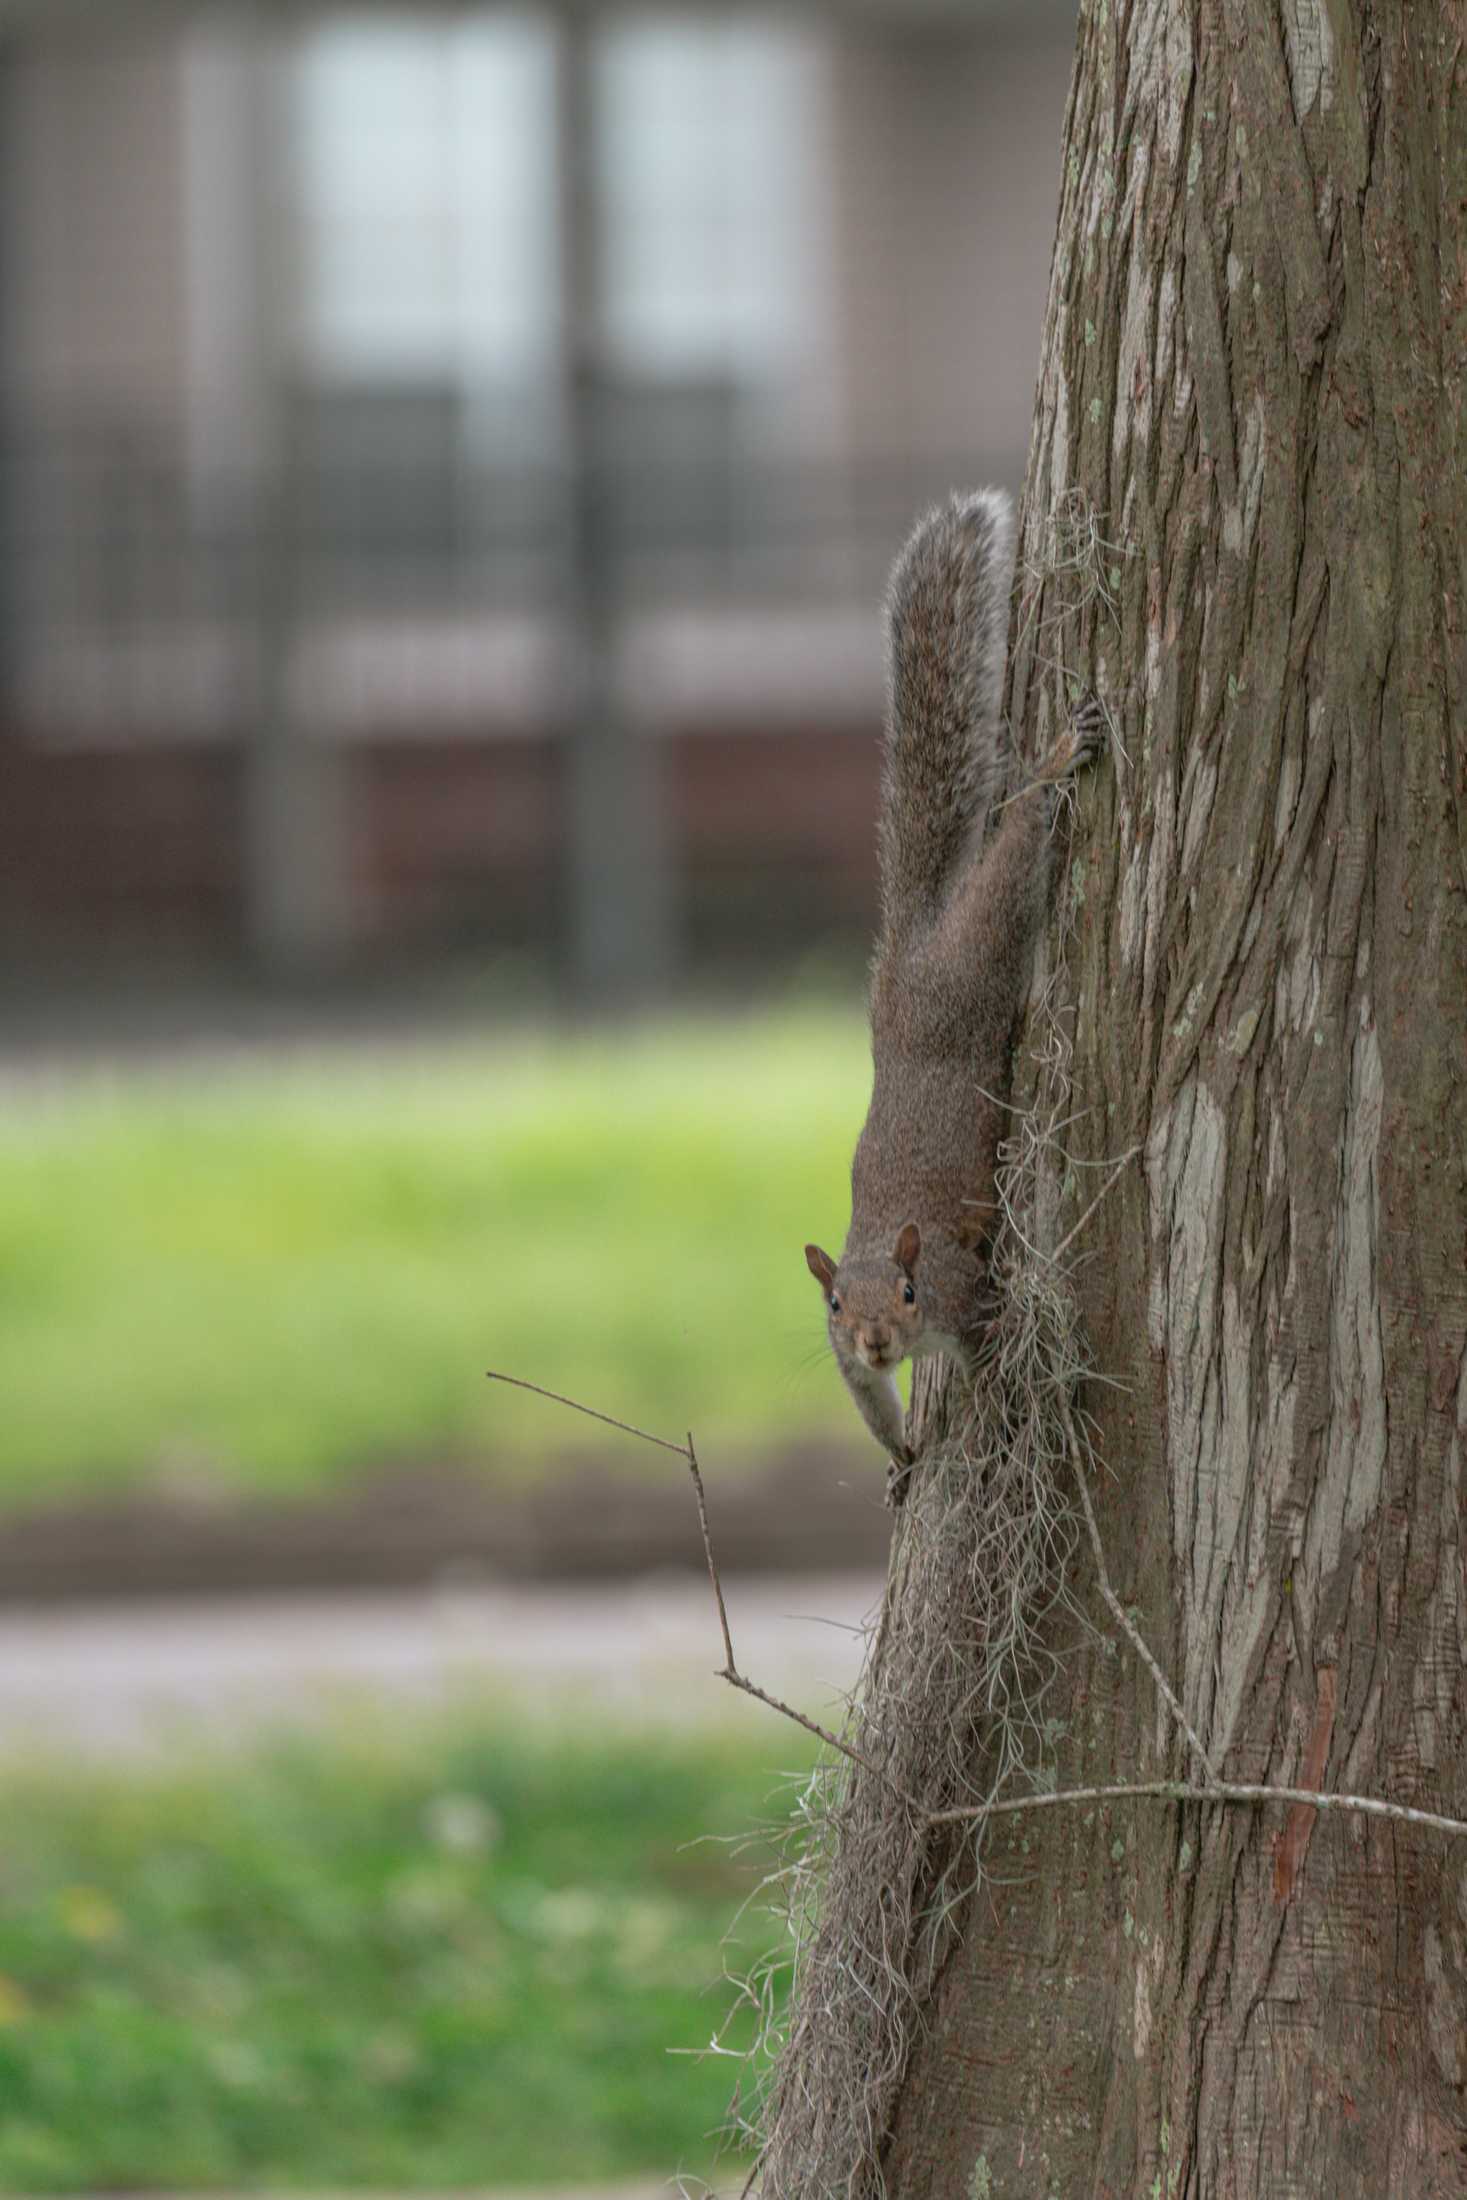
(959, 918)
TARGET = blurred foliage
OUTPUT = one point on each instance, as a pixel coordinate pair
(459, 1960)
(267, 1275)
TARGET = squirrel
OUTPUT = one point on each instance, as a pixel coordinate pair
(959, 919)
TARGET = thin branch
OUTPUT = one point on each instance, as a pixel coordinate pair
(1221, 1791)
(517, 1382)
(1172, 1791)
(730, 1665)
(729, 1671)
(1066, 1242)
(1117, 1609)
(821, 1733)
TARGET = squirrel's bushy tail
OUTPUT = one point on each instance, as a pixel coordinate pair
(948, 608)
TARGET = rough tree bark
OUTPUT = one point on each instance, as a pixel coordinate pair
(1253, 366)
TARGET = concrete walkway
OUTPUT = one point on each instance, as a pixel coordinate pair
(110, 1678)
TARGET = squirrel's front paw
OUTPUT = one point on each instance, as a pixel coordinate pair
(898, 1479)
(1088, 729)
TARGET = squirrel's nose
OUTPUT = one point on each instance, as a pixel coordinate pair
(875, 1339)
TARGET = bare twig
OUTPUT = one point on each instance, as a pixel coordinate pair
(1067, 1241)
(1215, 1790)
(517, 1382)
(729, 1664)
(1117, 1609)
(1219, 1791)
(729, 1671)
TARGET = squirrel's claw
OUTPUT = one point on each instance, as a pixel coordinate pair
(1089, 728)
(1084, 740)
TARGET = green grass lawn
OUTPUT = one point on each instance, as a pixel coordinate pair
(453, 1962)
(273, 1276)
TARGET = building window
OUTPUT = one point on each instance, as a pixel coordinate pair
(427, 214)
(428, 179)
(708, 194)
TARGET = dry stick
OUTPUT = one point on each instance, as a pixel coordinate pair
(729, 1665)
(729, 1671)
(1067, 1241)
(517, 1382)
(1222, 1791)
(1117, 1609)
(1171, 1791)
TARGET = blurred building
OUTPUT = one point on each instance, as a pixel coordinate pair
(449, 458)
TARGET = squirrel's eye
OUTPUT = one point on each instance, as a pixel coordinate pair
(909, 1296)
(834, 1303)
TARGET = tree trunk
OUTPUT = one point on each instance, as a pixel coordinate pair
(1250, 424)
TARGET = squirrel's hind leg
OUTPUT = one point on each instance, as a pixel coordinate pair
(998, 903)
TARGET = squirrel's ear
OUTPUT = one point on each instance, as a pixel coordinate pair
(821, 1266)
(908, 1246)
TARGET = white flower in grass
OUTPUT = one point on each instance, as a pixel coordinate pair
(463, 1824)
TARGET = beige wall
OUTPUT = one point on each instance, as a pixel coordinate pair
(948, 153)
(96, 220)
